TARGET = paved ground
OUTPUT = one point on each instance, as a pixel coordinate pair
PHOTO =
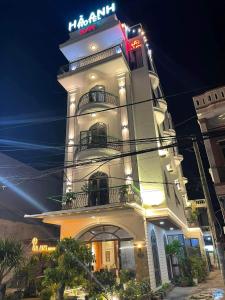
(202, 291)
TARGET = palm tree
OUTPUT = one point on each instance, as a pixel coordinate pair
(11, 254)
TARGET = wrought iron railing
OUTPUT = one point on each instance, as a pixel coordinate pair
(112, 195)
(97, 97)
(95, 141)
(75, 65)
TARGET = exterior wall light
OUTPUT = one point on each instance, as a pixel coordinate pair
(122, 88)
(142, 33)
(118, 50)
(163, 152)
(171, 228)
(93, 115)
(124, 127)
(73, 67)
(93, 47)
(92, 76)
(161, 223)
(68, 190)
(71, 142)
(152, 197)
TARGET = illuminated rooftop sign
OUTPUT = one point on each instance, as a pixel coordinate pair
(93, 17)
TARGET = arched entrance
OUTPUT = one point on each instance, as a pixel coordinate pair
(112, 247)
(98, 185)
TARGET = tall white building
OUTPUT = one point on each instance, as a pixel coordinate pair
(127, 207)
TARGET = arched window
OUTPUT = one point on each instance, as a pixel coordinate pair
(97, 94)
(155, 255)
(98, 135)
(168, 262)
(98, 189)
(105, 233)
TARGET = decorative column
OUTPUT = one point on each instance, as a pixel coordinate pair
(125, 127)
(70, 141)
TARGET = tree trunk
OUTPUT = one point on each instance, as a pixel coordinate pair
(60, 292)
(2, 291)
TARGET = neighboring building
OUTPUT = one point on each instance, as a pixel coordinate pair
(24, 190)
(197, 210)
(210, 108)
(130, 207)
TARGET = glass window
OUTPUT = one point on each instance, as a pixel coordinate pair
(155, 255)
(127, 255)
(178, 237)
(105, 232)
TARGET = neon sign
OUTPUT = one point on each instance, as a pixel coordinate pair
(87, 29)
(135, 44)
(93, 17)
(40, 248)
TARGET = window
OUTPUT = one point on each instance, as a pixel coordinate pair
(98, 189)
(97, 94)
(222, 93)
(178, 237)
(210, 99)
(222, 147)
(197, 102)
(216, 96)
(155, 255)
(136, 59)
(98, 133)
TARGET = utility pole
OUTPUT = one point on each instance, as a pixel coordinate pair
(210, 211)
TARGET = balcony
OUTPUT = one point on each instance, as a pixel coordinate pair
(159, 112)
(163, 104)
(96, 99)
(154, 79)
(96, 146)
(178, 159)
(77, 65)
(113, 195)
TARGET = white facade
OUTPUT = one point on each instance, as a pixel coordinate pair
(115, 108)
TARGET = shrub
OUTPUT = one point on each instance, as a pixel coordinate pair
(103, 282)
(136, 290)
(126, 275)
(198, 267)
(46, 294)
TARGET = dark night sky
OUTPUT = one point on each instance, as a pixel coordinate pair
(187, 37)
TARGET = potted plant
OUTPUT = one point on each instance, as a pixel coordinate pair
(123, 193)
(69, 198)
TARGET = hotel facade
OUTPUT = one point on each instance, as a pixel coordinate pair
(124, 190)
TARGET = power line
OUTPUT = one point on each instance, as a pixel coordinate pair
(55, 119)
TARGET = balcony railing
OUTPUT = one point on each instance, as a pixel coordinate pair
(93, 142)
(112, 195)
(76, 65)
(97, 97)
